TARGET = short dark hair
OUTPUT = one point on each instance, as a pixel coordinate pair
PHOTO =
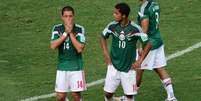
(67, 8)
(124, 9)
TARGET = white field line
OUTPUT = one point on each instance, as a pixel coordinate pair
(172, 56)
(3, 61)
(182, 52)
(53, 94)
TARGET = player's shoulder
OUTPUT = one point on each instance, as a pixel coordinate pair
(154, 3)
(148, 6)
(79, 28)
(57, 25)
(112, 25)
(154, 6)
(145, 7)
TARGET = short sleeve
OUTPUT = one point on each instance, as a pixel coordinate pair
(108, 30)
(144, 12)
(143, 37)
(106, 33)
(55, 34)
(81, 38)
(143, 16)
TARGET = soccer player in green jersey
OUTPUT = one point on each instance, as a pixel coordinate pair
(70, 40)
(122, 59)
(148, 19)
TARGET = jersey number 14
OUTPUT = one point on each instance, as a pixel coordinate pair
(66, 46)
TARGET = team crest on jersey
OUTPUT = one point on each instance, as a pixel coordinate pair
(122, 36)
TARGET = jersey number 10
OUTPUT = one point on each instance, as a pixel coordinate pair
(122, 44)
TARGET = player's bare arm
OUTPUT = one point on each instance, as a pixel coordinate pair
(56, 43)
(145, 25)
(79, 46)
(145, 28)
(105, 51)
(144, 53)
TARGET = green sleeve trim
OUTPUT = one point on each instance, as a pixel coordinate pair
(54, 37)
(81, 38)
(106, 33)
(144, 17)
(105, 37)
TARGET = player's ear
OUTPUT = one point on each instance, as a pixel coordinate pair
(124, 16)
(61, 17)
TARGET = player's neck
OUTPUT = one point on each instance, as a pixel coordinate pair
(124, 22)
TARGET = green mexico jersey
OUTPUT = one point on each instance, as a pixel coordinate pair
(150, 10)
(123, 47)
(68, 57)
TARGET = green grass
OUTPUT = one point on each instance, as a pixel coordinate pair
(28, 66)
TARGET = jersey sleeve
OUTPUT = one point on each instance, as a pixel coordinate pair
(143, 13)
(55, 34)
(107, 31)
(81, 36)
(143, 37)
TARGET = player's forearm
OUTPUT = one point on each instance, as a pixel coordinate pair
(56, 43)
(146, 50)
(78, 46)
(105, 51)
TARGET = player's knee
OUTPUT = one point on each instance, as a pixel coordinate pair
(76, 96)
(108, 95)
(129, 98)
(161, 69)
(61, 97)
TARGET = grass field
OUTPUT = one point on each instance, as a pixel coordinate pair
(28, 65)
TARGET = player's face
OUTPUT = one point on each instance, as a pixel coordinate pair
(67, 16)
(117, 15)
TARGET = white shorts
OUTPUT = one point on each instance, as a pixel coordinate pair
(70, 81)
(115, 77)
(155, 59)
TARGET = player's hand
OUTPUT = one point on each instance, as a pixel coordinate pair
(68, 26)
(108, 61)
(139, 51)
(136, 65)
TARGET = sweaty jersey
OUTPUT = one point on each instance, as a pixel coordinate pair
(68, 57)
(123, 46)
(150, 10)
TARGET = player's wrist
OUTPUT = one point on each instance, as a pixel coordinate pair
(140, 61)
(65, 34)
